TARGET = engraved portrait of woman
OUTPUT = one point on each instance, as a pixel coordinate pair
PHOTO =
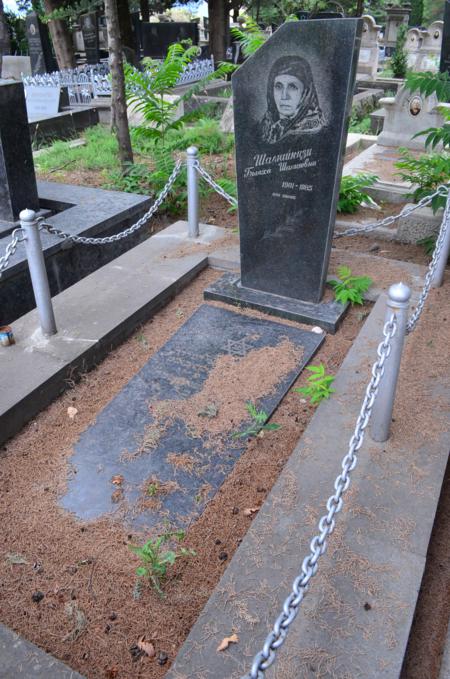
(292, 101)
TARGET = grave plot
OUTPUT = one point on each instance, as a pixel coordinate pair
(91, 615)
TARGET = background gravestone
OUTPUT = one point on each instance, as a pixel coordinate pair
(445, 48)
(89, 30)
(369, 52)
(17, 179)
(292, 100)
(395, 17)
(156, 38)
(39, 46)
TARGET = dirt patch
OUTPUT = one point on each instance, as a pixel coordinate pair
(405, 252)
(91, 615)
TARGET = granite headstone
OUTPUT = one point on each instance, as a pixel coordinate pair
(39, 46)
(445, 48)
(292, 100)
(17, 179)
(89, 30)
(156, 37)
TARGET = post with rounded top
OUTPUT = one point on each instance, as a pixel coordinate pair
(438, 276)
(192, 188)
(397, 303)
(38, 271)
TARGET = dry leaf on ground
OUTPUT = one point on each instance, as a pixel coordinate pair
(250, 510)
(233, 639)
(71, 411)
(147, 647)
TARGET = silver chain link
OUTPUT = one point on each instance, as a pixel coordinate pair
(213, 184)
(413, 319)
(442, 190)
(83, 240)
(11, 248)
(263, 660)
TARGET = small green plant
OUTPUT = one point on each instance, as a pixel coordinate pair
(426, 173)
(352, 193)
(257, 424)
(152, 489)
(399, 60)
(319, 384)
(156, 560)
(350, 288)
(360, 125)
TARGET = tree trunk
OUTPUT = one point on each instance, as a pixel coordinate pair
(145, 10)
(5, 42)
(61, 37)
(118, 100)
(218, 28)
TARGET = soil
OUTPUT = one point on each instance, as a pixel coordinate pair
(69, 586)
(405, 252)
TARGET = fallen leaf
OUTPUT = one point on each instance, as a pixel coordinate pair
(147, 647)
(233, 639)
(71, 411)
(250, 510)
(117, 480)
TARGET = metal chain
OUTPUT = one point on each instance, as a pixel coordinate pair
(442, 190)
(263, 660)
(413, 319)
(10, 249)
(83, 240)
(209, 180)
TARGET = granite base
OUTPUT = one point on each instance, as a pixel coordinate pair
(327, 315)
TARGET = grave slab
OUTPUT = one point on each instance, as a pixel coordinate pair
(150, 420)
(20, 658)
(327, 315)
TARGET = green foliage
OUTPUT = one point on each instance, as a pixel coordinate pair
(399, 61)
(319, 385)
(428, 244)
(428, 83)
(99, 153)
(17, 33)
(257, 424)
(351, 192)
(70, 11)
(228, 185)
(426, 173)
(416, 18)
(350, 288)
(205, 134)
(251, 37)
(360, 125)
(156, 560)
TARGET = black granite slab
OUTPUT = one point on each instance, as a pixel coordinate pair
(444, 65)
(177, 371)
(292, 100)
(228, 289)
(156, 37)
(89, 29)
(18, 188)
(39, 45)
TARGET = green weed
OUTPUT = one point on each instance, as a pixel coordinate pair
(352, 193)
(319, 385)
(350, 288)
(257, 424)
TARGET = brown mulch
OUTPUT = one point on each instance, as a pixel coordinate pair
(68, 585)
(405, 252)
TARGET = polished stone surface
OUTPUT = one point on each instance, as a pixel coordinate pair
(89, 29)
(17, 179)
(133, 440)
(445, 47)
(327, 315)
(292, 100)
(39, 45)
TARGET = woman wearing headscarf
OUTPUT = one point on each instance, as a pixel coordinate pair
(292, 102)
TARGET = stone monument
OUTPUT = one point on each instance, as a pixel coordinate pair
(369, 52)
(406, 114)
(89, 30)
(444, 64)
(395, 17)
(292, 100)
(414, 39)
(430, 50)
(39, 46)
(17, 179)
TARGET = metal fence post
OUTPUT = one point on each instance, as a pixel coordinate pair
(438, 276)
(38, 271)
(397, 302)
(192, 188)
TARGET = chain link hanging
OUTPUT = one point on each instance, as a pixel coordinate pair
(213, 184)
(85, 240)
(16, 238)
(442, 190)
(413, 319)
(263, 660)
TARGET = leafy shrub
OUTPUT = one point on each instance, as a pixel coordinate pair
(351, 192)
(350, 288)
(426, 172)
(204, 134)
(399, 61)
(319, 385)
